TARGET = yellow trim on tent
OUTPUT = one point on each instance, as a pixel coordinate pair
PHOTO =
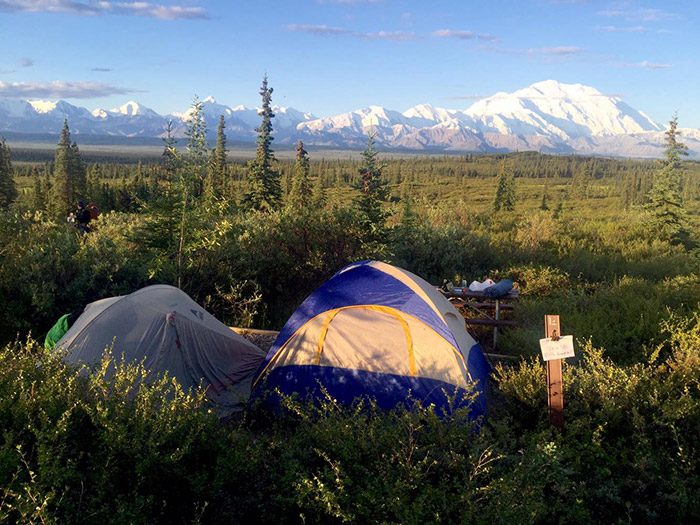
(386, 309)
(396, 314)
(322, 335)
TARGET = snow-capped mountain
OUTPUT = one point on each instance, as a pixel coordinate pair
(547, 116)
(567, 111)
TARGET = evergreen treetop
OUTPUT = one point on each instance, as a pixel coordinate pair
(373, 188)
(505, 190)
(264, 191)
(216, 176)
(665, 196)
(8, 189)
(300, 194)
(69, 180)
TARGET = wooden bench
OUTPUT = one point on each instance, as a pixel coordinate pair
(488, 309)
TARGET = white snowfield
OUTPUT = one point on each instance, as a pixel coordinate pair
(548, 116)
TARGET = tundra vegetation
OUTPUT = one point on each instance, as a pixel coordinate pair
(610, 245)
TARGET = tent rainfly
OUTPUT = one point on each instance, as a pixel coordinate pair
(163, 327)
(375, 330)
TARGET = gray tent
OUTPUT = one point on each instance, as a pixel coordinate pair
(165, 328)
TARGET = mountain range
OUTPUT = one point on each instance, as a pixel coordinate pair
(548, 116)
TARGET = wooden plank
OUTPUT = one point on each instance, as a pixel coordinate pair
(555, 380)
(491, 322)
(486, 306)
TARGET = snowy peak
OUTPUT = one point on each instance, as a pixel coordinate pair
(43, 106)
(133, 109)
(566, 111)
(547, 116)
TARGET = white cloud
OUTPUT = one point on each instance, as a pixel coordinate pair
(653, 65)
(617, 29)
(104, 7)
(463, 35)
(26, 62)
(644, 64)
(60, 89)
(320, 29)
(397, 36)
(325, 30)
(559, 50)
(645, 14)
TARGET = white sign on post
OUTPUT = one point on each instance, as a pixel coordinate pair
(559, 349)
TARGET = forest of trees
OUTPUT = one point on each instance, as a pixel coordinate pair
(609, 244)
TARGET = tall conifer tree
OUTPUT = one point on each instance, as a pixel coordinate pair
(665, 196)
(300, 193)
(264, 190)
(197, 151)
(8, 190)
(505, 190)
(373, 188)
(170, 157)
(68, 175)
(216, 175)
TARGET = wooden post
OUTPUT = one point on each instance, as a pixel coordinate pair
(495, 328)
(555, 385)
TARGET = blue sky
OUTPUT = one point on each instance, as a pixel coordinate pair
(332, 56)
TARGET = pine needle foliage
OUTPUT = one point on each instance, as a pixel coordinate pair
(264, 189)
(8, 189)
(69, 180)
(373, 188)
(216, 175)
(665, 200)
(505, 190)
(300, 194)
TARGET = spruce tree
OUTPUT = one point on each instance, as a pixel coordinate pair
(665, 197)
(300, 193)
(318, 202)
(78, 173)
(505, 190)
(170, 157)
(8, 190)
(216, 175)
(197, 152)
(373, 189)
(62, 198)
(264, 190)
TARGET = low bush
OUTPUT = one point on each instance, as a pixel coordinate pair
(85, 448)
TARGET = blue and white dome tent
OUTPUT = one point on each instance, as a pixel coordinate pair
(379, 331)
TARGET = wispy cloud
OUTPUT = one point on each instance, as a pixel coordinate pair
(618, 29)
(645, 64)
(653, 65)
(60, 89)
(325, 30)
(644, 14)
(104, 7)
(397, 36)
(102, 69)
(556, 51)
(26, 62)
(320, 29)
(463, 35)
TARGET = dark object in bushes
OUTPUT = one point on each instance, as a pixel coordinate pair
(499, 289)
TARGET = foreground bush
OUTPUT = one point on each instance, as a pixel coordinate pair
(79, 449)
